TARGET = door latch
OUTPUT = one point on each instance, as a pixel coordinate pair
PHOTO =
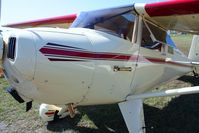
(117, 68)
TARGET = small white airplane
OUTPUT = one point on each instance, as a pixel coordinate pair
(107, 56)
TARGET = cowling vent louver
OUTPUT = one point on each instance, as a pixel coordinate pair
(11, 48)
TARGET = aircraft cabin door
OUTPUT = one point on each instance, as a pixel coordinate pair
(116, 60)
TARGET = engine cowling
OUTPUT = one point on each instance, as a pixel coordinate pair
(19, 60)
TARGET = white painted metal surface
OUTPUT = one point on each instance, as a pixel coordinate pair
(86, 72)
(133, 114)
(194, 50)
(112, 85)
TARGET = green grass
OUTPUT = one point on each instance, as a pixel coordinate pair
(183, 42)
(162, 115)
(13, 115)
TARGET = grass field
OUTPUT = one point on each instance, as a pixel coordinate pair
(163, 115)
(183, 42)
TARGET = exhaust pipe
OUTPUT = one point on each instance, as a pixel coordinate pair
(15, 94)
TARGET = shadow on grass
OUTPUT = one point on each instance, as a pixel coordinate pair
(106, 118)
(181, 115)
(190, 79)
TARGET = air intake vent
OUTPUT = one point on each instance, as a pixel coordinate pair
(11, 48)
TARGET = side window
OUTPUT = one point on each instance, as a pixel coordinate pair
(148, 40)
(120, 25)
(154, 37)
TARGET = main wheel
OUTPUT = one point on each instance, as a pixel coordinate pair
(51, 112)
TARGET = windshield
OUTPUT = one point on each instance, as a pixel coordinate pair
(116, 21)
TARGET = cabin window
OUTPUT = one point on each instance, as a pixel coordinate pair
(120, 25)
(148, 40)
(154, 37)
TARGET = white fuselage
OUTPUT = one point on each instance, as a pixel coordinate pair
(86, 67)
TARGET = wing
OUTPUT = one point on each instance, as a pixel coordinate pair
(61, 21)
(180, 15)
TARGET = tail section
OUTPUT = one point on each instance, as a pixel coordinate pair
(194, 50)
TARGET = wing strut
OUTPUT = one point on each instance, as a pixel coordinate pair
(133, 112)
(133, 115)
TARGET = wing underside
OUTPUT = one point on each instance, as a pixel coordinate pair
(179, 15)
(61, 22)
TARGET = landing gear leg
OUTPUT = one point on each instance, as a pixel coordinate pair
(133, 115)
(71, 110)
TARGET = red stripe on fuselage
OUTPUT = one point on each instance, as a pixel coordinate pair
(58, 59)
(76, 55)
(88, 55)
(172, 7)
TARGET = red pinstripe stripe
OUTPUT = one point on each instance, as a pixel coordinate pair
(50, 113)
(89, 55)
(69, 55)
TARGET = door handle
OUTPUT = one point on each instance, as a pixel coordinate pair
(118, 68)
